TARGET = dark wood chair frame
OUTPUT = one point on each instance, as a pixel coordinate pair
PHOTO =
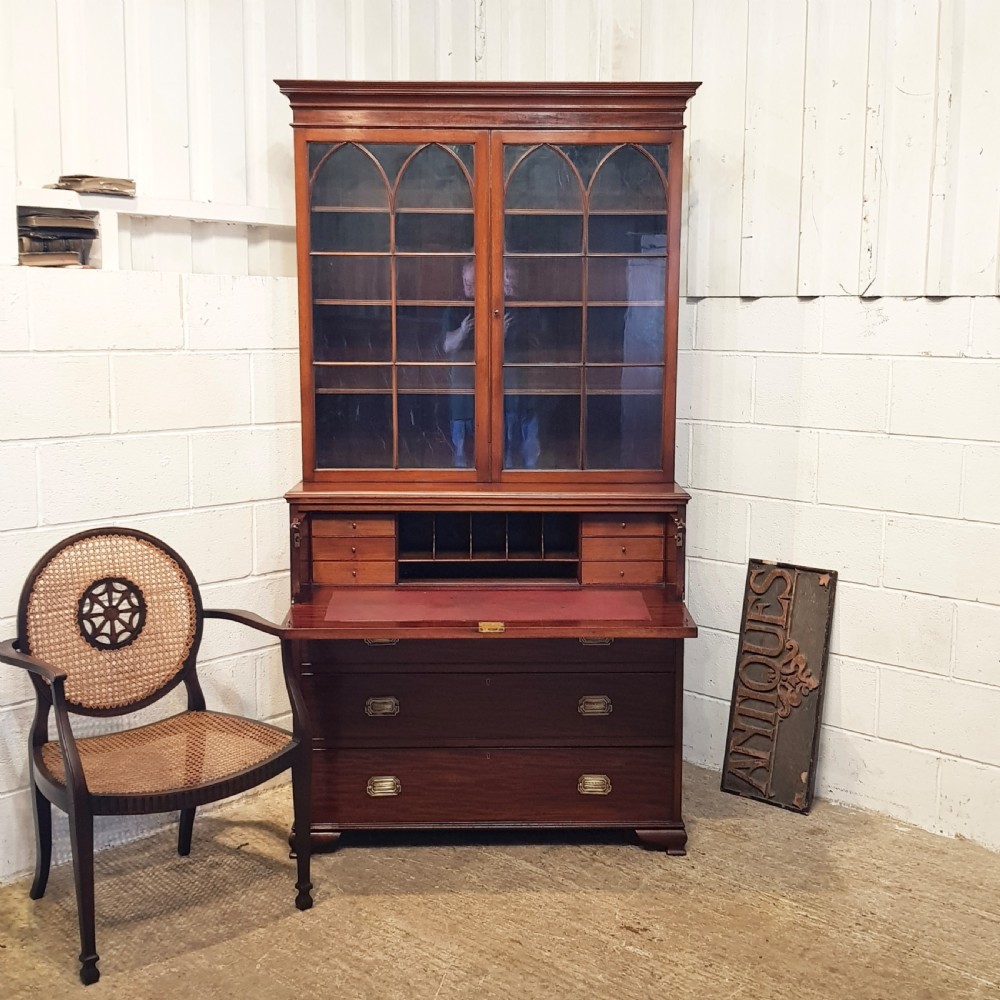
(81, 805)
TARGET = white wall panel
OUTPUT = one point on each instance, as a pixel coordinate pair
(159, 141)
(621, 40)
(414, 39)
(836, 146)
(899, 147)
(91, 76)
(833, 146)
(36, 95)
(772, 153)
(665, 40)
(572, 52)
(369, 40)
(715, 191)
(456, 50)
(965, 202)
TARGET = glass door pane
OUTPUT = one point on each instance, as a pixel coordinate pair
(584, 285)
(392, 268)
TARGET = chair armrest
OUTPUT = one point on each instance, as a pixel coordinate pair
(9, 653)
(246, 618)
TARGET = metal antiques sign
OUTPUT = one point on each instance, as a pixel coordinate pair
(774, 715)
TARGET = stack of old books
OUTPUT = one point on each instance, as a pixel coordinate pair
(54, 238)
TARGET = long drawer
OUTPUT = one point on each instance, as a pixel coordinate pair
(488, 653)
(376, 709)
(581, 786)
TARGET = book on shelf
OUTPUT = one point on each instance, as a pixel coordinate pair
(80, 225)
(94, 184)
(48, 244)
(66, 258)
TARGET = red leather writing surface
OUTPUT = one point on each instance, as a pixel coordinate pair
(464, 604)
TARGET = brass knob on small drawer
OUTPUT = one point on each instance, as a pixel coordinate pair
(621, 572)
(354, 572)
(594, 784)
(594, 704)
(383, 786)
(354, 550)
(382, 706)
(623, 550)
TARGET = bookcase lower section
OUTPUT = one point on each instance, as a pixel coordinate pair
(440, 734)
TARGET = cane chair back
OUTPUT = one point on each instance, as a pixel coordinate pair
(119, 612)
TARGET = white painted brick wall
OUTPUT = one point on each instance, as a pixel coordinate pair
(948, 557)
(216, 391)
(759, 461)
(842, 393)
(977, 643)
(949, 399)
(970, 801)
(817, 535)
(890, 473)
(755, 326)
(985, 328)
(19, 494)
(981, 483)
(54, 396)
(872, 448)
(910, 711)
(14, 334)
(894, 627)
(169, 403)
(886, 326)
(724, 386)
(103, 310)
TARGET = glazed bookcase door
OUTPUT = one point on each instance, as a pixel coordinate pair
(586, 233)
(390, 367)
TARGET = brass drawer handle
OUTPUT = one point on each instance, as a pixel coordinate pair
(594, 704)
(381, 642)
(383, 786)
(594, 784)
(382, 706)
(585, 641)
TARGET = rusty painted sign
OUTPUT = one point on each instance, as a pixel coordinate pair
(774, 714)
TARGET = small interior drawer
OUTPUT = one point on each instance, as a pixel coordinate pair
(624, 548)
(351, 548)
(635, 573)
(623, 524)
(352, 525)
(354, 574)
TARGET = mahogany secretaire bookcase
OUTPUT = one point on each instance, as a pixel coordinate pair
(487, 546)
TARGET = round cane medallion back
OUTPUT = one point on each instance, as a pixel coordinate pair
(111, 613)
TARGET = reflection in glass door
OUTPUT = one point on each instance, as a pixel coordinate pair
(392, 267)
(584, 284)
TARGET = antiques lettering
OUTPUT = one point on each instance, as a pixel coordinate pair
(772, 677)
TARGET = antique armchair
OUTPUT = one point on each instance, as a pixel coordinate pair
(109, 621)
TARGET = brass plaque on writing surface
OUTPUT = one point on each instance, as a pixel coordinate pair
(774, 715)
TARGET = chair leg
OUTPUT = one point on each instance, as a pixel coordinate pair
(81, 829)
(184, 832)
(301, 792)
(42, 809)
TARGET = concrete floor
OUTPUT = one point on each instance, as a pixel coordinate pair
(767, 904)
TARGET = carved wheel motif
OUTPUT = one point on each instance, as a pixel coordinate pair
(111, 613)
